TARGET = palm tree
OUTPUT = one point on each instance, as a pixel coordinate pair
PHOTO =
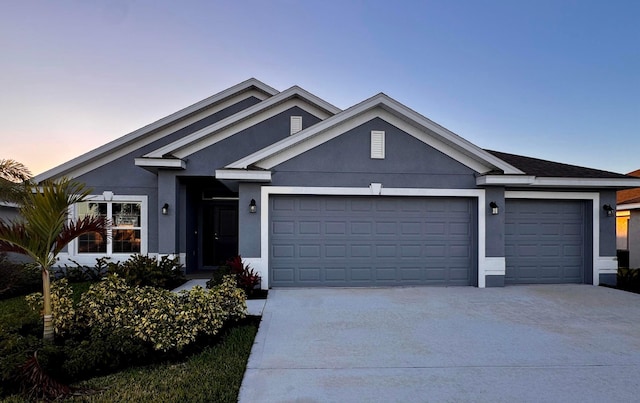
(45, 228)
(12, 177)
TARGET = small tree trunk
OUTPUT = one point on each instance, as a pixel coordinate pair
(47, 334)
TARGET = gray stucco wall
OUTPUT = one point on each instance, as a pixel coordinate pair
(495, 223)
(346, 161)
(607, 225)
(249, 223)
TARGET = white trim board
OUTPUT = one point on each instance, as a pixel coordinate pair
(630, 206)
(395, 113)
(158, 129)
(600, 263)
(533, 181)
(262, 263)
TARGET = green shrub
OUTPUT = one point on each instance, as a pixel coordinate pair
(143, 270)
(79, 273)
(629, 279)
(17, 278)
(159, 317)
(18, 329)
(62, 306)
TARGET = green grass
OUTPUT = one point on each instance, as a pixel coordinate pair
(212, 375)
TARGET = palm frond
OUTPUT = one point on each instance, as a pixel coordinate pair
(13, 171)
(74, 228)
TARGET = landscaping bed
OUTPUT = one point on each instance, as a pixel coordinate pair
(118, 341)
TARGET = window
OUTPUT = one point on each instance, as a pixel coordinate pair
(127, 232)
(622, 230)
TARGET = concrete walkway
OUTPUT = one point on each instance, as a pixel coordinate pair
(570, 343)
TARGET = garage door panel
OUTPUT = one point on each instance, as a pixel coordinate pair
(545, 241)
(355, 241)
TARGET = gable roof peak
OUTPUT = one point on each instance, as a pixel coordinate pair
(108, 150)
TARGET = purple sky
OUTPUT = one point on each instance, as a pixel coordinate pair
(558, 80)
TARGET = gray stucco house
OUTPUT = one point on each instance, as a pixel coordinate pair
(374, 195)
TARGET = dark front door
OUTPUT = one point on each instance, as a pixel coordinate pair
(219, 232)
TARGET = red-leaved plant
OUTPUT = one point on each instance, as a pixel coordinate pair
(246, 277)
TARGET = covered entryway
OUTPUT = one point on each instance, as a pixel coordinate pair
(372, 241)
(545, 242)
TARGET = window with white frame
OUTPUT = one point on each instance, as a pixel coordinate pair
(127, 233)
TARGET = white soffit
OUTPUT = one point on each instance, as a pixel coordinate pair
(629, 206)
(205, 137)
(394, 113)
(158, 129)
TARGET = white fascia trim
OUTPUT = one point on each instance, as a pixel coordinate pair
(502, 180)
(242, 175)
(246, 118)
(515, 180)
(598, 261)
(262, 263)
(393, 112)
(171, 163)
(9, 204)
(320, 138)
(631, 206)
(146, 135)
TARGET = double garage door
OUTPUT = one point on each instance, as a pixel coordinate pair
(372, 241)
(545, 242)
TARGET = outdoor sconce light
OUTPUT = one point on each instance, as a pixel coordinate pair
(494, 208)
(165, 209)
(608, 209)
(252, 206)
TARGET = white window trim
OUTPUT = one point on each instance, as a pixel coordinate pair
(90, 258)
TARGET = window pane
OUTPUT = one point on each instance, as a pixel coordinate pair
(126, 214)
(92, 243)
(91, 209)
(126, 241)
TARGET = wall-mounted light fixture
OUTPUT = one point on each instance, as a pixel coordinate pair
(608, 209)
(165, 209)
(252, 206)
(494, 208)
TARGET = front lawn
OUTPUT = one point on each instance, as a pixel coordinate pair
(214, 375)
(210, 370)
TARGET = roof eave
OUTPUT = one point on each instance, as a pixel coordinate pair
(535, 181)
(243, 175)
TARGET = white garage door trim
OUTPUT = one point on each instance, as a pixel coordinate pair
(262, 263)
(601, 264)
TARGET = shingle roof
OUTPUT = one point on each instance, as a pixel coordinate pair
(550, 169)
(630, 196)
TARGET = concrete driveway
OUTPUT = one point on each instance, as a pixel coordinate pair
(571, 343)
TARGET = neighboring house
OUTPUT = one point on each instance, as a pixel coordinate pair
(628, 225)
(9, 211)
(374, 195)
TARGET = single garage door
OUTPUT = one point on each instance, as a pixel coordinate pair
(372, 241)
(545, 241)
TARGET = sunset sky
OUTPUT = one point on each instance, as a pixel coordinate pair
(551, 79)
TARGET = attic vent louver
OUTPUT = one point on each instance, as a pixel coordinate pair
(377, 144)
(296, 124)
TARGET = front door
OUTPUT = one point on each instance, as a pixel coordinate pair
(219, 232)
